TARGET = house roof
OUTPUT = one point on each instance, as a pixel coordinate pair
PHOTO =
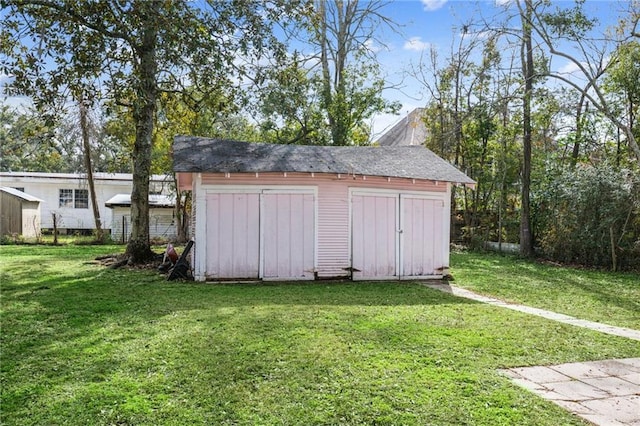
(410, 130)
(22, 195)
(206, 155)
(155, 200)
(79, 176)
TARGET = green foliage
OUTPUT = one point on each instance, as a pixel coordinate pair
(350, 84)
(571, 23)
(590, 215)
(290, 108)
(27, 143)
(623, 82)
(624, 75)
(194, 113)
(130, 52)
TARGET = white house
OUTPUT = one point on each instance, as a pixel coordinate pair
(67, 195)
(292, 212)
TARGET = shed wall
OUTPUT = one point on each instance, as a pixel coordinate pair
(31, 219)
(19, 216)
(10, 214)
(161, 223)
(333, 222)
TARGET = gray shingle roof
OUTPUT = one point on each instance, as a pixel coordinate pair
(206, 155)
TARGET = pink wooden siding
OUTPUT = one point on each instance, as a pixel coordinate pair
(232, 236)
(288, 235)
(333, 222)
(374, 235)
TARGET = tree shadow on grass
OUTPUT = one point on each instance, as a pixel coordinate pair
(42, 310)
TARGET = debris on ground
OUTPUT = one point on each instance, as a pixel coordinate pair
(170, 263)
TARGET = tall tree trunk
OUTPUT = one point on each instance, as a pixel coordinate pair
(579, 127)
(84, 125)
(139, 246)
(526, 237)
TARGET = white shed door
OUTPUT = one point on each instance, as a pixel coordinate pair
(374, 237)
(288, 235)
(233, 235)
(421, 237)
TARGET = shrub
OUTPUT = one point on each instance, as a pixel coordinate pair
(590, 215)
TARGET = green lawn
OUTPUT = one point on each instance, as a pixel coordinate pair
(612, 298)
(86, 345)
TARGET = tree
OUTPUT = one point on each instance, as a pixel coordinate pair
(290, 106)
(131, 52)
(350, 86)
(86, 155)
(623, 77)
(27, 142)
(526, 236)
(593, 59)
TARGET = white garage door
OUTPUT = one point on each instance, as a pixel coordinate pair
(233, 229)
(374, 237)
(397, 235)
(422, 236)
(288, 235)
(266, 234)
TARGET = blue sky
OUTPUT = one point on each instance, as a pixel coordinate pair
(426, 23)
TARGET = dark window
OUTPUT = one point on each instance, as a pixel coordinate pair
(66, 198)
(81, 199)
(19, 189)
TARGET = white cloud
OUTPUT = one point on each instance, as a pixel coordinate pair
(569, 68)
(416, 44)
(431, 5)
(372, 47)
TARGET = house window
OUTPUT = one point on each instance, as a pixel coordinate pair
(81, 199)
(74, 198)
(66, 198)
(19, 189)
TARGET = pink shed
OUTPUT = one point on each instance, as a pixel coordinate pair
(306, 222)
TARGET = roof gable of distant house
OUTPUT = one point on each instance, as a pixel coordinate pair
(410, 130)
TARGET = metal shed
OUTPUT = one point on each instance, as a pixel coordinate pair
(286, 212)
(19, 213)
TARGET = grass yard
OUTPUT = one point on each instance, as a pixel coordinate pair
(611, 298)
(86, 345)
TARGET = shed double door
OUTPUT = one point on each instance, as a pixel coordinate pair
(397, 235)
(267, 234)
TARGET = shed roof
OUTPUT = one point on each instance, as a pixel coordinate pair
(22, 195)
(155, 200)
(206, 155)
